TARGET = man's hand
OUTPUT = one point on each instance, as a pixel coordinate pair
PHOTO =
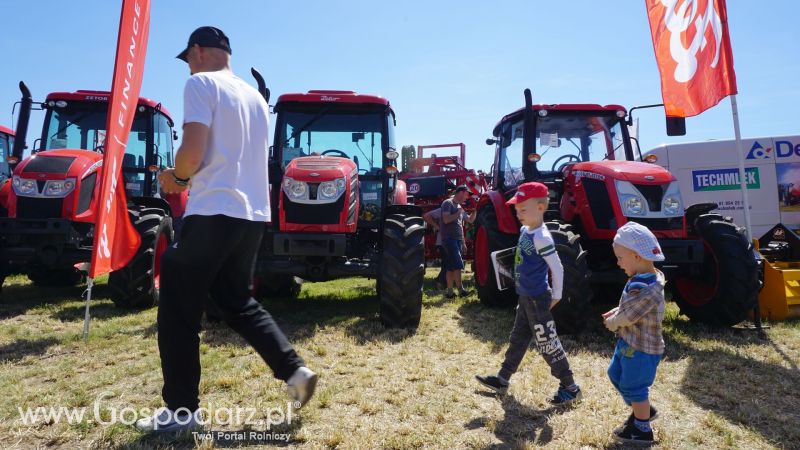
(168, 184)
(554, 302)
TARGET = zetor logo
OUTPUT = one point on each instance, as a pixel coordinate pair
(327, 98)
(757, 151)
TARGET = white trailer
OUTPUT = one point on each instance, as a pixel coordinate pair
(708, 172)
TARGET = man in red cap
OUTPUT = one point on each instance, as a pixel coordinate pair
(536, 256)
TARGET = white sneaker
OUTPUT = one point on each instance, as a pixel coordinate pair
(165, 420)
(301, 385)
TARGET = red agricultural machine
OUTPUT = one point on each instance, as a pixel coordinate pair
(338, 207)
(432, 180)
(52, 198)
(583, 153)
(6, 142)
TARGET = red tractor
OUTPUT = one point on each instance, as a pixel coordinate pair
(431, 180)
(6, 142)
(338, 208)
(52, 198)
(583, 153)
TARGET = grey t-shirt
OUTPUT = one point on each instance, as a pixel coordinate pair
(454, 229)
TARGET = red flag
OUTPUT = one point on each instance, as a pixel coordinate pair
(115, 239)
(693, 51)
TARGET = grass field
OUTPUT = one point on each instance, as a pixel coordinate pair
(389, 388)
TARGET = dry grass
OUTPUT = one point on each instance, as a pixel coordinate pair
(391, 388)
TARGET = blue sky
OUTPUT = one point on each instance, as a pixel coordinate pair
(450, 69)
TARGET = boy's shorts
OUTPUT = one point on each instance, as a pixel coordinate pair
(632, 372)
(452, 254)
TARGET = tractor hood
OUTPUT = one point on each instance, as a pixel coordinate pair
(314, 169)
(59, 164)
(631, 171)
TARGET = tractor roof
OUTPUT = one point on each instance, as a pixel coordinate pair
(100, 96)
(325, 96)
(578, 107)
(6, 130)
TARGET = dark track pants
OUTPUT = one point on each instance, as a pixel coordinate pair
(534, 321)
(214, 261)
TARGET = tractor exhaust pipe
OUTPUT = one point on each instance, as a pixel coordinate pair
(262, 85)
(527, 136)
(22, 126)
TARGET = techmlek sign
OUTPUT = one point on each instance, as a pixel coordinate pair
(724, 179)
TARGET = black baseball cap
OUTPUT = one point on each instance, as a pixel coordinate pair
(207, 37)
(461, 188)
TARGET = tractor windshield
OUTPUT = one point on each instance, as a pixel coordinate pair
(5, 151)
(83, 126)
(357, 135)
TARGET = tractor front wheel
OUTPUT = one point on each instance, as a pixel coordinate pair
(402, 271)
(137, 284)
(726, 288)
(488, 239)
(572, 312)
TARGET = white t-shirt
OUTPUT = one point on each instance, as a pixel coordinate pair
(232, 179)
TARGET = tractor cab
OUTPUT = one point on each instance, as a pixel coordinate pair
(333, 161)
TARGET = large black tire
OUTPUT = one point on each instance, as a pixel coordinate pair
(401, 271)
(726, 289)
(488, 239)
(277, 286)
(56, 277)
(572, 312)
(135, 285)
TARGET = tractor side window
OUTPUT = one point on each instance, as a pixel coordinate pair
(163, 141)
(5, 150)
(511, 155)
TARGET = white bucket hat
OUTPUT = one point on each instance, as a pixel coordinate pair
(638, 238)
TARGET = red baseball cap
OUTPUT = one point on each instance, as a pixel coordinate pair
(527, 191)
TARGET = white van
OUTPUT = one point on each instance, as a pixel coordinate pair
(708, 172)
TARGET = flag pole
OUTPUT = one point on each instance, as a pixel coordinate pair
(89, 284)
(742, 178)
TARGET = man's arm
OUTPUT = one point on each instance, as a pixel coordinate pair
(471, 217)
(448, 216)
(189, 157)
(430, 220)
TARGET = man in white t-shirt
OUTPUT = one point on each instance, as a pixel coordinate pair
(224, 157)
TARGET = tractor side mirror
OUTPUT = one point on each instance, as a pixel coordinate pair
(174, 135)
(491, 141)
(676, 126)
(358, 137)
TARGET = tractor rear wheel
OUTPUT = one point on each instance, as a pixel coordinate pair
(274, 286)
(402, 271)
(572, 312)
(488, 239)
(137, 284)
(726, 289)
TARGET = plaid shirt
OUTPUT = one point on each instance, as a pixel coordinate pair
(638, 318)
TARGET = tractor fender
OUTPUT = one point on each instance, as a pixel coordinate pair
(695, 211)
(506, 222)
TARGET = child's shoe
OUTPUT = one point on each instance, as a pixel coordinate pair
(653, 416)
(566, 396)
(494, 383)
(631, 434)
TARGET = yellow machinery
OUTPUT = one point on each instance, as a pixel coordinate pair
(780, 296)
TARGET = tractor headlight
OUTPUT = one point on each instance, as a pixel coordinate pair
(672, 205)
(295, 190)
(59, 188)
(24, 187)
(633, 205)
(331, 190)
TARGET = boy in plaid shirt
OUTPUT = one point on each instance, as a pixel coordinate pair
(637, 322)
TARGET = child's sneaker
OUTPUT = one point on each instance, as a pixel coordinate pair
(464, 292)
(494, 383)
(449, 295)
(301, 385)
(566, 396)
(653, 416)
(631, 434)
(165, 420)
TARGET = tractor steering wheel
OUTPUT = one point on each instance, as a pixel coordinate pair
(557, 168)
(333, 150)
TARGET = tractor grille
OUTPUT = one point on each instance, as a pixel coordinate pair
(653, 194)
(313, 214)
(672, 223)
(39, 208)
(600, 204)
